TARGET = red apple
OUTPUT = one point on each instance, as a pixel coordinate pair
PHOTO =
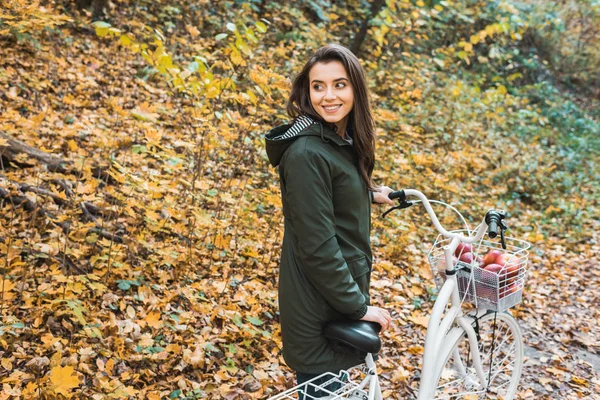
(466, 257)
(511, 265)
(510, 273)
(505, 258)
(490, 257)
(495, 268)
(510, 289)
(463, 248)
(491, 273)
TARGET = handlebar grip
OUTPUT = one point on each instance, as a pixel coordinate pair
(493, 218)
(493, 229)
(399, 194)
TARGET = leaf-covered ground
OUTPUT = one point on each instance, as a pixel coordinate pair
(141, 261)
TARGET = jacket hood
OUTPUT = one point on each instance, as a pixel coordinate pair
(280, 138)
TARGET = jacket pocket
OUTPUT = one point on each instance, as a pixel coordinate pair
(361, 272)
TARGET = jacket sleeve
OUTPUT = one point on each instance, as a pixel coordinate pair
(309, 197)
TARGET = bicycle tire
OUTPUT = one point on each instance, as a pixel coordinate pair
(507, 359)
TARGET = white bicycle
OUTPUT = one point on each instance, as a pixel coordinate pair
(469, 354)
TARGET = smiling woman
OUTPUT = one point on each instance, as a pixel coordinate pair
(325, 160)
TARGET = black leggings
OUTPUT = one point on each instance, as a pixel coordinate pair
(312, 393)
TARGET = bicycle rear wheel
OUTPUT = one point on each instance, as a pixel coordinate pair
(501, 346)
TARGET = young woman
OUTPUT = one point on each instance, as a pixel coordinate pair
(325, 159)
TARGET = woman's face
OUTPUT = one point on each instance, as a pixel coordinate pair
(331, 94)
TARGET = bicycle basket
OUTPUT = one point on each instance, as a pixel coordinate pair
(333, 386)
(495, 288)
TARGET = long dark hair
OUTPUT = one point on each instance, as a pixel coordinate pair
(360, 121)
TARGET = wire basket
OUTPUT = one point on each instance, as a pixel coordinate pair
(321, 388)
(498, 287)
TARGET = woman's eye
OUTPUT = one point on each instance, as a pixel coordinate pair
(340, 85)
(317, 87)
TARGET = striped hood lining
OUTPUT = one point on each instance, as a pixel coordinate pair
(300, 124)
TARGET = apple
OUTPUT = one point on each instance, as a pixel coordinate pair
(510, 289)
(466, 258)
(505, 258)
(494, 268)
(491, 273)
(491, 256)
(509, 274)
(463, 248)
(511, 265)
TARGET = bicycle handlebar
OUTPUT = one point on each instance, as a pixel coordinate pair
(493, 218)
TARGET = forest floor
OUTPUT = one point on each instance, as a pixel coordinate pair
(138, 337)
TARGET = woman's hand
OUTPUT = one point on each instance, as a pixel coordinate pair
(379, 315)
(381, 196)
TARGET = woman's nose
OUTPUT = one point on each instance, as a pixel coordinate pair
(329, 95)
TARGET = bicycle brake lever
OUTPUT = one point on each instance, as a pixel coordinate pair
(403, 204)
(503, 227)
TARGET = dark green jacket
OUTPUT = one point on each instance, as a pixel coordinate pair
(326, 256)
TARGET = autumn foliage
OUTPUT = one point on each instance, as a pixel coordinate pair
(140, 223)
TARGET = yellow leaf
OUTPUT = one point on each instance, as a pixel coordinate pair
(72, 145)
(551, 209)
(425, 271)
(7, 364)
(3, 142)
(192, 30)
(29, 391)
(153, 136)
(422, 160)
(64, 379)
(125, 39)
(422, 320)
(37, 120)
(251, 252)
(153, 319)
(221, 242)
(101, 32)
(236, 58)
(580, 381)
(110, 364)
(7, 286)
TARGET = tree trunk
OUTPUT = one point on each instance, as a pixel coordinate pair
(97, 7)
(376, 6)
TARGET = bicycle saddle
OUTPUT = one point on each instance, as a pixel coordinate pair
(361, 335)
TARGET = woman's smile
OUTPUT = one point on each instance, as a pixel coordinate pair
(331, 109)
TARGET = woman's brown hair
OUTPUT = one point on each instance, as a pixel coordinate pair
(360, 121)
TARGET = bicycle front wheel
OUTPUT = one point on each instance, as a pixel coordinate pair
(501, 350)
